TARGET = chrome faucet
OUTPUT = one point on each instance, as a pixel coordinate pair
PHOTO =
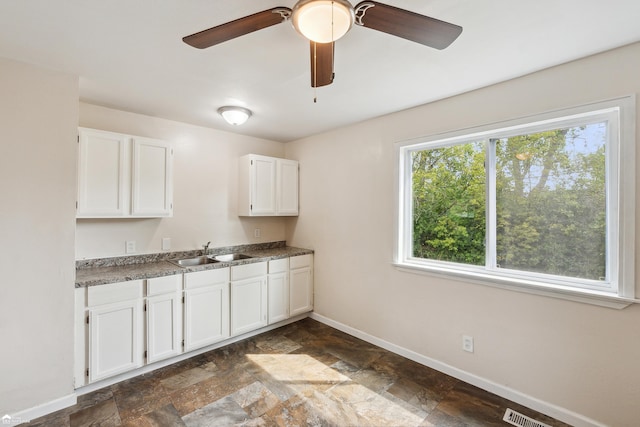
(206, 248)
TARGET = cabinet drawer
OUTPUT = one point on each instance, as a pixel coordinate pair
(278, 265)
(114, 292)
(300, 261)
(164, 285)
(199, 279)
(240, 272)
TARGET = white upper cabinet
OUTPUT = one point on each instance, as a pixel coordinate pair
(152, 177)
(268, 186)
(102, 168)
(287, 187)
(262, 173)
(123, 176)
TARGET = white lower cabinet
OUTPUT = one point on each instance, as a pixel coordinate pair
(115, 329)
(278, 290)
(115, 323)
(163, 308)
(206, 308)
(80, 338)
(300, 284)
(248, 297)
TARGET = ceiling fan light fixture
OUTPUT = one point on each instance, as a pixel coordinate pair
(234, 115)
(322, 21)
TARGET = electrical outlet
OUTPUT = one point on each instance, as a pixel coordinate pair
(166, 243)
(256, 233)
(467, 343)
(131, 246)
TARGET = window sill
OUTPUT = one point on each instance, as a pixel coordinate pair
(585, 296)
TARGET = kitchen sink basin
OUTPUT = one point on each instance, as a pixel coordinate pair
(230, 257)
(190, 262)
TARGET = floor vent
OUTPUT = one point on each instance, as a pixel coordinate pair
(517, 419)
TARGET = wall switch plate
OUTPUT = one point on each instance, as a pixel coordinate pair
(256, 233)
(467, 343)
(131, 246)
(166, 243)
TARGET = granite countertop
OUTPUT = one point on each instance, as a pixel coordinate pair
(112, 270)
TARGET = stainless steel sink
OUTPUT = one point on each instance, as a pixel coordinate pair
(190, 262)
(230, 257)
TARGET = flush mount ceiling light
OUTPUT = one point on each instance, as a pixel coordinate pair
(322, 21)
(234, 115)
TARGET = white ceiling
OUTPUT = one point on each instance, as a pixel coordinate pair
(130, 55)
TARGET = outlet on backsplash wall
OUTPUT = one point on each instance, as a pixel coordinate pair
(130, 247)
(166, 243)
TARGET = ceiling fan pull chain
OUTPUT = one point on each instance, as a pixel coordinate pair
(315, 72)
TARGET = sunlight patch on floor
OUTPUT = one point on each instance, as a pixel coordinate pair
(343, 398)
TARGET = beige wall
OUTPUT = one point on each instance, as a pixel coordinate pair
(205, 190)
(38, 119)
(582, 358)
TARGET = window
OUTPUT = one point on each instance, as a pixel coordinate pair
(544, 204)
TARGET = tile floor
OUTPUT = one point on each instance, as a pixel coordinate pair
(302, 374)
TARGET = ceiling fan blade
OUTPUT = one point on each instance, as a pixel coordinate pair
(321, 63)
(237, 28)
(405, 24)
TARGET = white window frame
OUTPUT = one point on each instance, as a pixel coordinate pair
(618, 291)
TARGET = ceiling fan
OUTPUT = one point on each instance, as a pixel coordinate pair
(325, 21)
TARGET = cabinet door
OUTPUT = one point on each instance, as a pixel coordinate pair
(263, 185)
(206, 315)
(287, 184)
(278, 297)
(152, 189)
(102, 167)
(301, 291)
(80, 338)
(164, 326)
(115, 338)
(248, 305)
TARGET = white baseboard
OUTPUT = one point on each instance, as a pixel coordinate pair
(27, 415)
(547, 408)
(543, 407)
